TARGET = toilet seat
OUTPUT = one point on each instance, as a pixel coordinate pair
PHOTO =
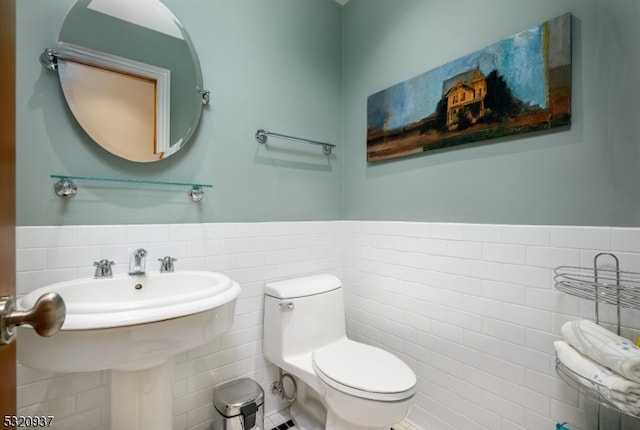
(364, 371)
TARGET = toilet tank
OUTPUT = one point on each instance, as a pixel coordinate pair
(301, 315)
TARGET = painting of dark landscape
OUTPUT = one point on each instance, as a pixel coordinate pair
(518, 85)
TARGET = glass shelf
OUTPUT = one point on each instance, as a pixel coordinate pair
(66, 187)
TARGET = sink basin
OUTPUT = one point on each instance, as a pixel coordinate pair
(133, 325)
(127, 300)
(129, 322)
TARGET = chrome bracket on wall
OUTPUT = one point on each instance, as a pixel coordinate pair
(49, 59)
(206, 96)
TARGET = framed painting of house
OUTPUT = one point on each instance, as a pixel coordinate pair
(518, 85)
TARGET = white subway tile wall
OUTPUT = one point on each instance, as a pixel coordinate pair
(470, 307)
(473, 310)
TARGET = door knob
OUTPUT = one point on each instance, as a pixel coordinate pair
(46, 316)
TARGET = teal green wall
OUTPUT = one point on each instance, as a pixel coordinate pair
(306, 67)
(586, 175)
(272, 64)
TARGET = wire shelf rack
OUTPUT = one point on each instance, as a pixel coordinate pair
(602, 284)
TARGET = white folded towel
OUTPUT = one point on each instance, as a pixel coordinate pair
(604, 347)
(620, 391)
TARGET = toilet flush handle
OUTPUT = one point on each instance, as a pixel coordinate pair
(286, 306)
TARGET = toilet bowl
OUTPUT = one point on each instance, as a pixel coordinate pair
(362, 387)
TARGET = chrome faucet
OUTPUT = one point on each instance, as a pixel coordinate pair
(137, 262)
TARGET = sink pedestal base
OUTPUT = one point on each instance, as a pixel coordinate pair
(142, 399)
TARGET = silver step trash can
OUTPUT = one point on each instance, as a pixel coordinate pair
(239, 405)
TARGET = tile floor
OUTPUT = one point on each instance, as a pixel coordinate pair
(282, 421)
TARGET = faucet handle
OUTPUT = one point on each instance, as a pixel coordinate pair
(166, 264)
(103, 269)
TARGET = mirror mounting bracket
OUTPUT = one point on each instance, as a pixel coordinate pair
(49, 59)
(206, 96)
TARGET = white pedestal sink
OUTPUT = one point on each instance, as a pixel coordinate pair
(133, 325)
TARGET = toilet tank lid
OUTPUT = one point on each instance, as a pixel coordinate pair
(302, 287)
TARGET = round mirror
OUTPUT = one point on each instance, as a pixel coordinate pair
(131, 76)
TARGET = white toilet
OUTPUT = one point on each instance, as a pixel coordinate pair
(347, 385)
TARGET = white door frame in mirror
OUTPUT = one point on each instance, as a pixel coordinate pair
(161, 76)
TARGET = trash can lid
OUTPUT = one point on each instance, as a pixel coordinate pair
(230, 397)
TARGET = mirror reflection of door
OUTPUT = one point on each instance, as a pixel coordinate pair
(115, 108)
